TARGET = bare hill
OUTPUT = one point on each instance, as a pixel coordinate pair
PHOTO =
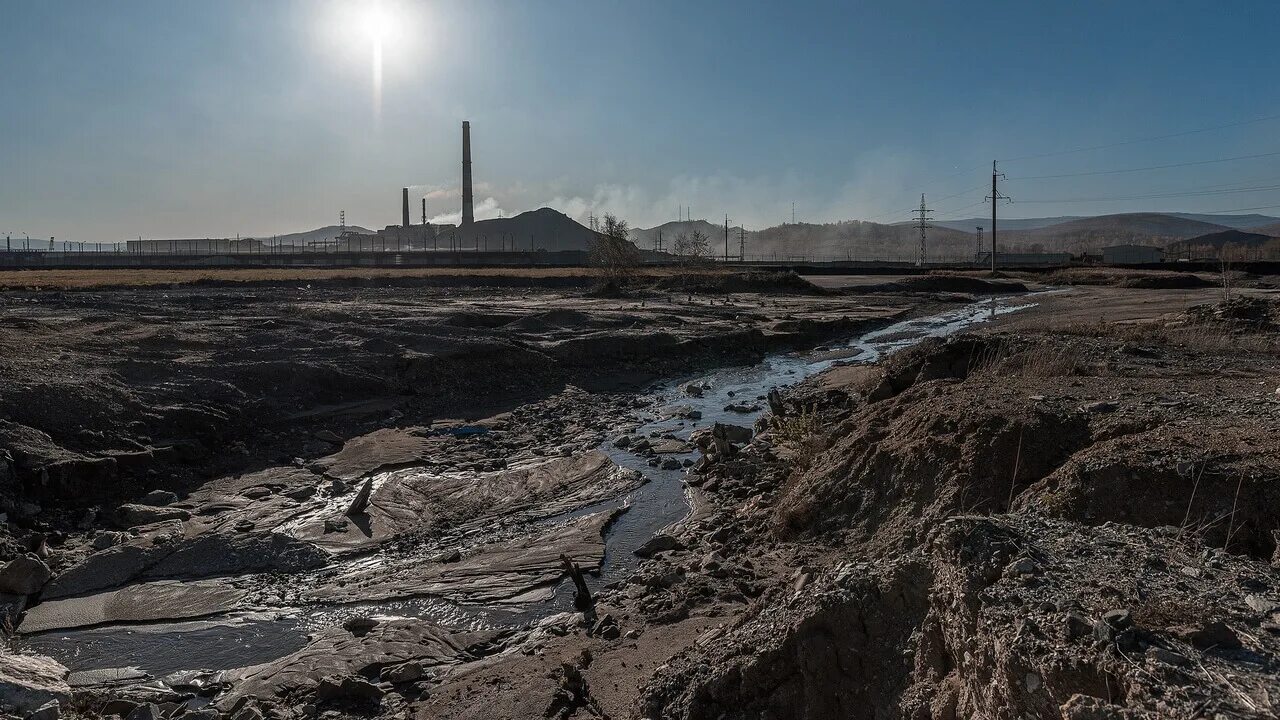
(1219, 240)
(541, 229)
(1091, 234)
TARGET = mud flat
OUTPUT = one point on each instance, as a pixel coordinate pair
(953, 508)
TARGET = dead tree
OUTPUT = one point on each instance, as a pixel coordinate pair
(582, 600)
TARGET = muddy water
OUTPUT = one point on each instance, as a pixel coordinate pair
(251, 638)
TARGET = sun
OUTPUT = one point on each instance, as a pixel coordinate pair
(376, 22)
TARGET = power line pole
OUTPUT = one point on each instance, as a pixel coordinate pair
(726, 238)
(995, 199)
(922, 223)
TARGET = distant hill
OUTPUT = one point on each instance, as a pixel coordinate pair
(1094, 233)
(644, 237)
(328, 232)
(1240, 222)
(1222, 239)
(1272, 229)
(1011, 224)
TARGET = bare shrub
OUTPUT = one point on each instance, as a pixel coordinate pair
(616, 257)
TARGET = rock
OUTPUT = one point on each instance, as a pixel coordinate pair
(622, 441)
(109, 538)
(348, 689)
(404, 672)
(360, 504)
(1102, 406)
(448, 556)
(1257, 603)
(671, 464)
(1087, 707)
(201, 714)
(657, 544)
(692, 415)
(244, 526)
(607, 628)
(359, 626)
(1077, 626)
(256, 493)
(1023, 566)
(49, 711)
(148, 711)
(328, 436)
(28, 682)
(333, 525)
(130, 515)
(159, 498)
(299, 493)
(118, 706)
(1213, 634)
(693, 390)
(1168, 657)
(24, 575)
(248, 712)
(1112, 623)
(741, 408)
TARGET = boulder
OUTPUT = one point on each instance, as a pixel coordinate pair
(49, 711)
(109, 539)
(29, 682)
(1213, 634)
(158, 498)
(24, 575)
(132, 515)
(351, 689)
(403, 673)
(657, 544)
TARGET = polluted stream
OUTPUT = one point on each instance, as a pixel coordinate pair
(129, 653)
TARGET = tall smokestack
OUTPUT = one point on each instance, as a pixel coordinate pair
(404, 207)
(468, 212)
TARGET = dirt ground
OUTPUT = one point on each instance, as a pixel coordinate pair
(1070, 511)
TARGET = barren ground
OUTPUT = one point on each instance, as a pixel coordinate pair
(1070, 511)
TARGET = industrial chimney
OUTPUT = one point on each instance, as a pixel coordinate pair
(468, 212)
(405, 207)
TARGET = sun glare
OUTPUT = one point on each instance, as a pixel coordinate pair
(377, 24)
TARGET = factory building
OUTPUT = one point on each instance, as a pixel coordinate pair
(1132, 255)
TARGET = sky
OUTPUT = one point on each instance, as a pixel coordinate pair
(178, 118)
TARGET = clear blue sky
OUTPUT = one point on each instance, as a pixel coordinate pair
(166, 118)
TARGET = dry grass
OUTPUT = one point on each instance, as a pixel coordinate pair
(803, 432)
(1200, 335)
(1044, 358)
(125, 278)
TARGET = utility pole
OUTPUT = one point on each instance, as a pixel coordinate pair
(658, 245)
(977, 247)
(726, 238)
(995, 199)
(742, 244)
(922, 223)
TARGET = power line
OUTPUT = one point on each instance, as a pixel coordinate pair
(1146, 139)
(1193, 193)
(1149, 167)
